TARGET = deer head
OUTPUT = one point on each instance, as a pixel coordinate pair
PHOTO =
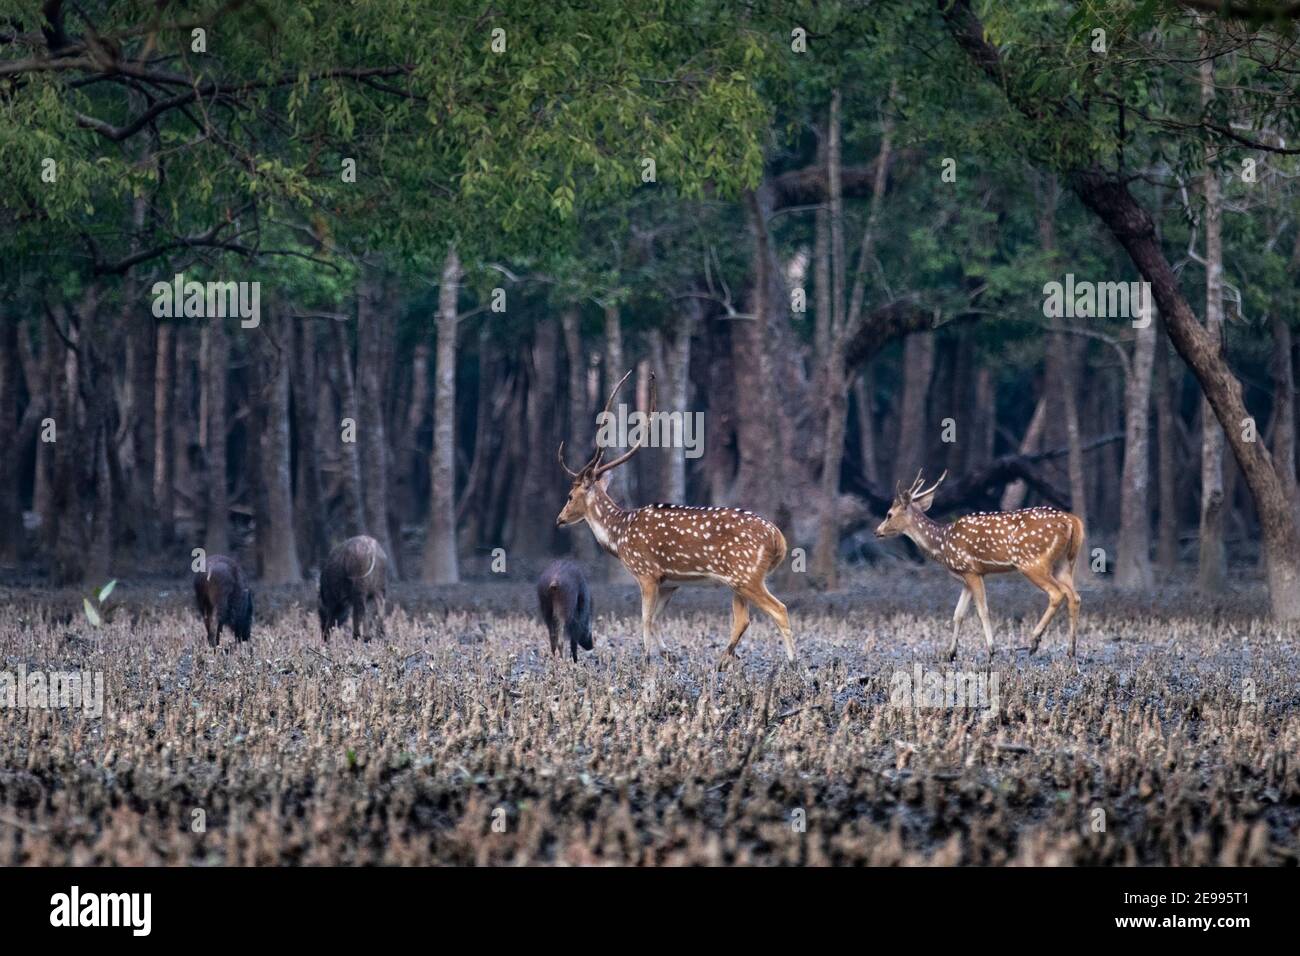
(907, 506)
(592, 478)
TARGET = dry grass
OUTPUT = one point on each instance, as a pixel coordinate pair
(407, 752)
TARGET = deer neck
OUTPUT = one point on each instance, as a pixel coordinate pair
(927, 534)
(606, 519)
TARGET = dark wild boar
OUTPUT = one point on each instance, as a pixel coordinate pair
(224, 599)
(354, 580)
(565, 601)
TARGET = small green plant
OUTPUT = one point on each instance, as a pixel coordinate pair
(99, 612)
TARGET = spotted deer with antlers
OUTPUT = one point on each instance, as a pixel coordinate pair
(1040, 543)
(667, 545)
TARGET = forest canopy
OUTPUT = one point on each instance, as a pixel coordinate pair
(828, 227)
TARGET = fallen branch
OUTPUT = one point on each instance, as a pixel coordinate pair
(797, 710)
(982, 487)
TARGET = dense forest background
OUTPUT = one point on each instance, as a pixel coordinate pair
(827, 226)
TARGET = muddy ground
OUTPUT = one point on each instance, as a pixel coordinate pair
(456, 738)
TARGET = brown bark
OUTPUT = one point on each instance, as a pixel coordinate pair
(1133, 562)
(414, 470)
(82, 497)
(675, 393)
(313, 543)
(846, 322)
(790, 411)
(1013, 496)
(581, 422)
(1167, 462)
(1060, 368)
(834, 400)
(1212, 569)
(164, 455)
(504, 479)
(863, 396)
(216, 538)
(441, 560)
(54, 399)
(64, 540)
(354, 516)
(985, 430)
(720, 461)
(1284, 437)
(913, 437)
(614, 370)
(474, 503)
(824, 314)
(276, 540)
(184, 426)
(11, 515)
(755, 439)
(534, 522)
(374, 354)
(98, 489)
(142, 338)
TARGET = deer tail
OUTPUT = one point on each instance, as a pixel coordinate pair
(1076, 538)
(778, 548)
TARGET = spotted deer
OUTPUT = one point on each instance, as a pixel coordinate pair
(667, 545)
(1040, 543)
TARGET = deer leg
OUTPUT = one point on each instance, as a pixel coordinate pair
(210, 623)
(739, 623)
(1065, 578)
(963, 605)
(649, 598)
(357, 614)
(764, 599)
(1073, 598)
(1055, 595)
(976, 585)
(660, 603)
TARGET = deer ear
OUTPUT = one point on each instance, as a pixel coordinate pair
(923, 503)
(603, 480)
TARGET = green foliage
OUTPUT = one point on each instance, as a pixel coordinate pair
(99, 612)
(498, 152)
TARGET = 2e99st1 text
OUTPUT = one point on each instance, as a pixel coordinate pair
(1196, 899)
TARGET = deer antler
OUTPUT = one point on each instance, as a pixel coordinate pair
(600, 452)
(569, 471)
(930, 490)
(596, 455)
(915, 486)
(600, 469)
